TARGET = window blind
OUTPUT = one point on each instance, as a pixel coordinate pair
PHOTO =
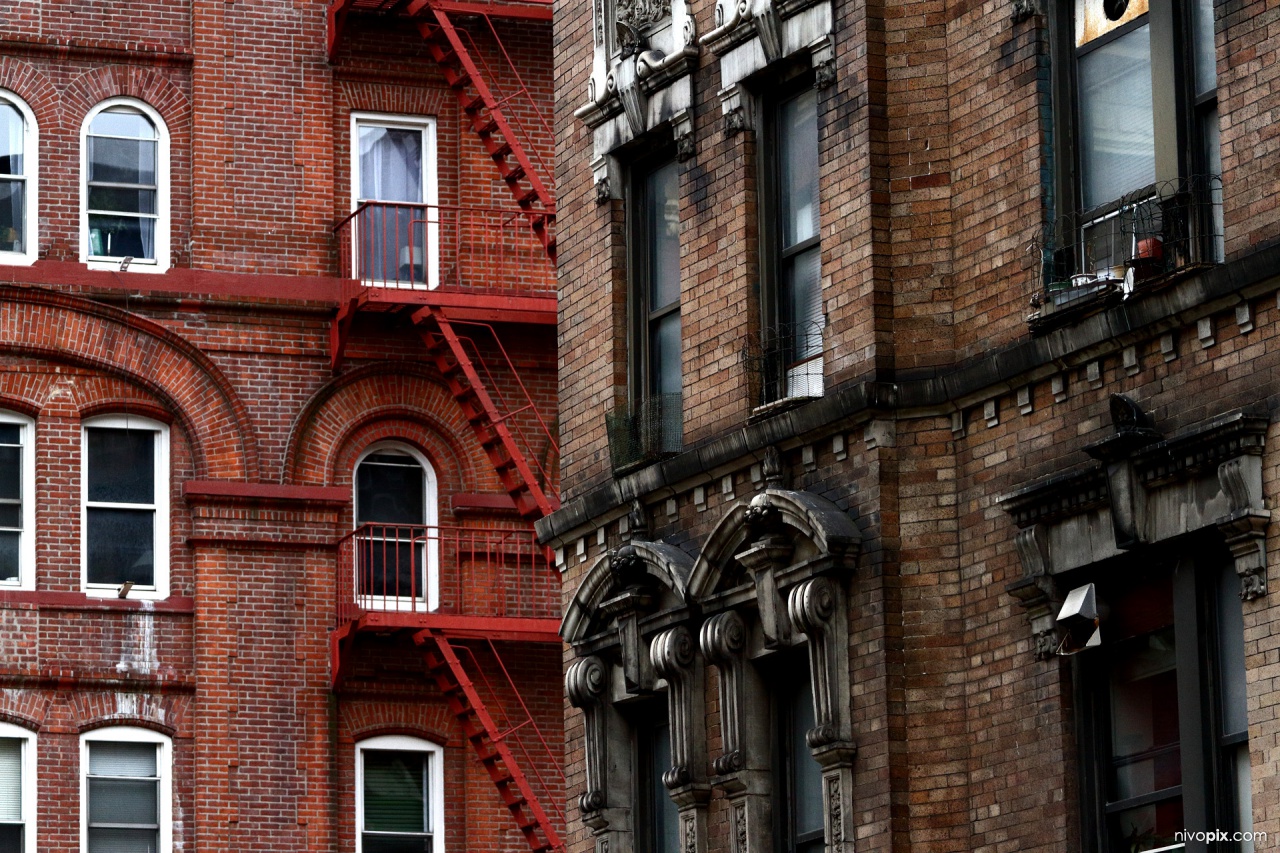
(395, 792)
(10, 779)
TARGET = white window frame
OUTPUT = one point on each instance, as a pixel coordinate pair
(160, 558)
(161, 261)
(164, 767)
(426, 125)
(27, 541)
(29, 791)
(431, 563)
(435, 767)
(31, 177)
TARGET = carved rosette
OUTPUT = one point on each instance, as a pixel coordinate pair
(723, 639)
(585, 683)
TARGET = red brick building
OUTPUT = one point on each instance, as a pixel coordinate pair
(903, 347)
(277, 394)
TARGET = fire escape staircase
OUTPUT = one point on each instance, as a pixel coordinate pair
(488, 741)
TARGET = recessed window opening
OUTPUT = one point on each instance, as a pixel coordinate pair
(123, 185)
(19, 143)
(397, 543)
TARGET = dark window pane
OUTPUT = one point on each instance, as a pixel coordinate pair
(11, 838)
(12, 140)
(390, 494)
(395, 791)
(662, 224)
(1149, 827)
(11, 515)
(664, 355)
(1117, 129)
(119, 544)
(372, 843)
(13, 196)
(10, 472)
(1235, 718)
(124, 840)
(123, 122)
(122, 200)
(806, 796)
(122, 161)
(10, 434)
(9, 556)
(1145, 748)
(798, 151)
(124, 801)
(802, 304)
(122, 237)
(392, 241)
(663, 812)
(391, 562)
(121, 465)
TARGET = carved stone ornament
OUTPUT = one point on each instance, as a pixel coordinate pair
(689, 832)
(638, 520)
(585, 683)
(740, 828)
(673, 653)
(603, 191)
(641, 14)
(772, 467)
(723, 640)
(814, 606)
(835, 809)
(1024, 9)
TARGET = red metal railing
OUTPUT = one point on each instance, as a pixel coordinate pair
(425, 246)
(449, 570)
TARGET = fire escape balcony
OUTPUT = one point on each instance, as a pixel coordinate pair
(471, 582)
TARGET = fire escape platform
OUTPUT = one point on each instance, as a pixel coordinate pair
(515, 628)
(520, 10)
(539, 310)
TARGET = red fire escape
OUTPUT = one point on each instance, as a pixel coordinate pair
(465, 280)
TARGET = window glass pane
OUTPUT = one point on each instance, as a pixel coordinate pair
(122, 237)
(122, 200)
(798, 151)
(392, 242)
(802, 305)
(122, 161)
(10, 433)
(662, 811)
(395, 844)
(122, 759)
(120, 546)
(123, 121)
(390, 164)
(395, 791)
(9, 552)
(13, 195)
(664, 355)
(390, 493)
(11, 515)
(1149, 827)
(1117, 130)
(10, 779)
(391, 564)
(10, 472)
(662, 225)
(1145, 749)
(124, 840)
(121, 465)
(806, 796)
(1244, 794)
(11, 838)
(11, 140)
(124, 801)
(1205, 56)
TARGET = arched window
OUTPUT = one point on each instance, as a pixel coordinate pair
(125, 201)
(126, 794)
(17, 501)
(397, 541)
(19, 143)
(399, 795)
(17, 789)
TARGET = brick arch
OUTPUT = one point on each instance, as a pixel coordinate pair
(33, 86)
(163, 714)
(26, 709)
(427, 720)
(326, 431)
(117, 343)
(114, 81)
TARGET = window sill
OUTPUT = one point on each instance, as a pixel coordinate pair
(113, 265)
(17, 259)
(49, 600)
(768, 410)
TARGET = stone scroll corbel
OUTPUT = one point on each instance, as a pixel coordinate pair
(1245, 526)
(605, 804)
(675, 659)
(817, 611)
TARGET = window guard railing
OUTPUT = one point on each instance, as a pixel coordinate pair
(1139, 241)
(424, 246)
(477, 572)
(785, 363)
(647, 431)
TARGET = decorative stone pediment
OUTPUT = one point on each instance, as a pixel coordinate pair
(1145, 490)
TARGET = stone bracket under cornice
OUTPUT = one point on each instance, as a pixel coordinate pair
(1143, 493)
